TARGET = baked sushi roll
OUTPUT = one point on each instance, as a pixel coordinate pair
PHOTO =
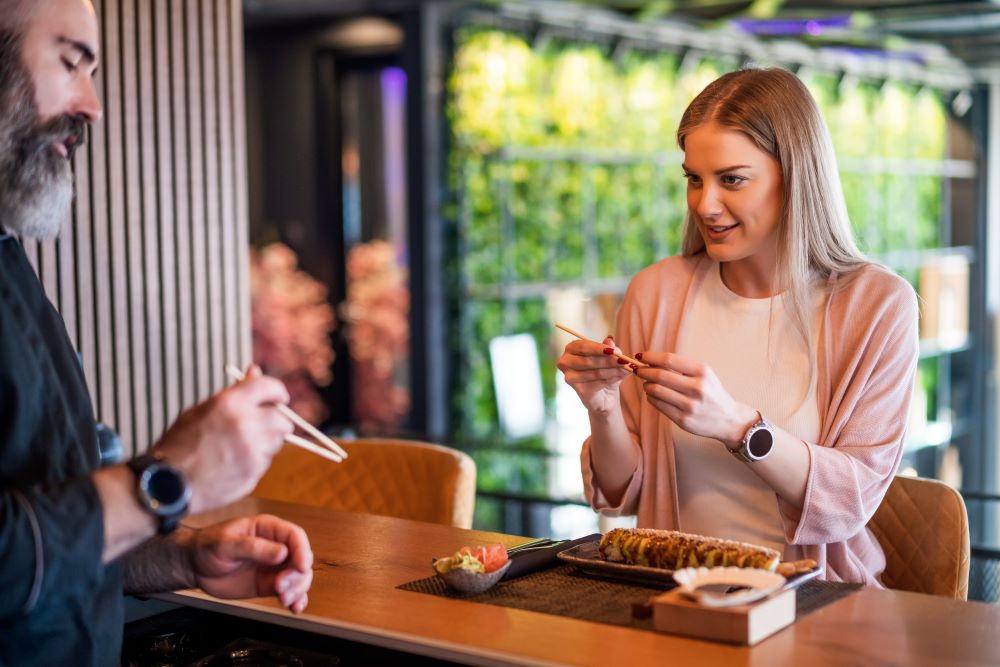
(673, 550)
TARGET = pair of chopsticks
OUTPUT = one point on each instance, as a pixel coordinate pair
(616, 353)
(330, 450)
(541, 543)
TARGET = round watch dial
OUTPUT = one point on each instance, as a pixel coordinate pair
(760, 443)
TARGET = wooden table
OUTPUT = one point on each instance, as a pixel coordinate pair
(360, 559)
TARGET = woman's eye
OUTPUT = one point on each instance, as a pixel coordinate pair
(69, 65)
(730, 179)
(691, 177)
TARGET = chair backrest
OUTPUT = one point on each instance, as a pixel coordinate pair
(400, 478)
(923, 528)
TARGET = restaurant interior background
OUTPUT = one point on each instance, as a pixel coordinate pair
(427, 186)
(460, 176)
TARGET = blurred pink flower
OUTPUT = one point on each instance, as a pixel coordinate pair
(291, 325)
(376, 317)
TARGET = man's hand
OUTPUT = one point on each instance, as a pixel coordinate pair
(253, 557)
(225, 444)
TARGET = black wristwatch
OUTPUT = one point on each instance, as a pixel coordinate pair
(757, 442)
(163, 491)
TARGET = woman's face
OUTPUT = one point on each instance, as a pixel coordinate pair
(734, 194)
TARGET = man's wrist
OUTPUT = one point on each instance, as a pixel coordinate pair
(187, 539)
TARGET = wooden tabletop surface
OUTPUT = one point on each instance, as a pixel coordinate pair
(360, 559)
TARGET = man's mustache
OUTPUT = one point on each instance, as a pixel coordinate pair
(71, 131)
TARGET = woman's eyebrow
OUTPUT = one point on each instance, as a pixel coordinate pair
(724, 169)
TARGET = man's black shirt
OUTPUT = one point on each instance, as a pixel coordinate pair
(58, 604)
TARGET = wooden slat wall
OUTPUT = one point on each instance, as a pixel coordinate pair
(151, 277)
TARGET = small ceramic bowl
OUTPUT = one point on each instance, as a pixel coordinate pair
(472, 582)
(727, 586)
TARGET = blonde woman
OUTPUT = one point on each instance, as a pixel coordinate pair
(781, 360)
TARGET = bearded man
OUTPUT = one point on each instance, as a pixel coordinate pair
(74, 537)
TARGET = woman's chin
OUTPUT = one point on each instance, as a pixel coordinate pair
(723, 252)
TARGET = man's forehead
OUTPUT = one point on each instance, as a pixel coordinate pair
(70, 22)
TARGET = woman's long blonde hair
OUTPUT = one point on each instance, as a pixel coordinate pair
(775, 110)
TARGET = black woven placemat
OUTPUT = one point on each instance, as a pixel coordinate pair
(565, 591)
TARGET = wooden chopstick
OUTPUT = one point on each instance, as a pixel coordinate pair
(321, 437)
(617, 354)
(310, 446)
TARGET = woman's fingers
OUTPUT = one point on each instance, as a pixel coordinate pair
(676, 399)
(672, 362)
(684, 384)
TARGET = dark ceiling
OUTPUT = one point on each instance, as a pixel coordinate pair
(970, 31)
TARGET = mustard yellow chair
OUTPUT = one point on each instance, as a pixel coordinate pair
(923, 528)
(401, 478)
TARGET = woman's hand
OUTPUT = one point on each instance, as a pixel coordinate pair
(594, 373)
(691, 395)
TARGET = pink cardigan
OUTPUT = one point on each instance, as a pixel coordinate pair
(866, 362)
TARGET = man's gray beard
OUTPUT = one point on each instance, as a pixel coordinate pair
(36, 184)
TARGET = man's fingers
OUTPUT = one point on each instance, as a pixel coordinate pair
(300, 555)
(262, 390)
(300, 605)
(293, 586)
(256, 549)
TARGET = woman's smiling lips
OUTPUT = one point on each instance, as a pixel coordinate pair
(719, 232)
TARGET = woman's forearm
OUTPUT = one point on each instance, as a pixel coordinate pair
(613, 455)
(786, 468)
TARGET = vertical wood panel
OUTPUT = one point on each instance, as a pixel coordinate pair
(166, 253)
(152, 275)
(227, 211)
(146, 54)
(183, 174)
(213, 250)
(239, 194)
(136, 370)
(196, 160)
(116, 269)
(103, 392)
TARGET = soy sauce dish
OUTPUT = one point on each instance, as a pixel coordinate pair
(727, 586)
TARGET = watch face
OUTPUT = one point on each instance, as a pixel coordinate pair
(760, 443)
(165, 486)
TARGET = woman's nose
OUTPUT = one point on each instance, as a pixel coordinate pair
(708, 206)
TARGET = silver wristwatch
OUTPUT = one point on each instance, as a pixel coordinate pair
(757, 443)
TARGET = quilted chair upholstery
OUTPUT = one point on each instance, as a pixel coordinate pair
(924, 530)
(400, 478)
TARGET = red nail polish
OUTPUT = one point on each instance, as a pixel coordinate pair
(638, 356)
(633, 367)
(622, 361)
(609, 350)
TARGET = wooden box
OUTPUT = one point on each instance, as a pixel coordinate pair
(747, 624)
